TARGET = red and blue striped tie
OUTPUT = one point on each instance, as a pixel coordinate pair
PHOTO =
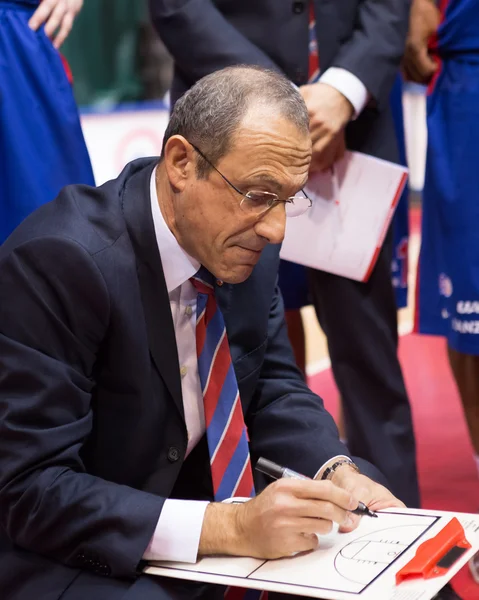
(225, 426)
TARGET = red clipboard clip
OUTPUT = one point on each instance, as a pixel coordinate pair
(436, 556)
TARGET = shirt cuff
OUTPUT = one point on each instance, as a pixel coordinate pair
(330, 462)
(178, 531)
(349, 85)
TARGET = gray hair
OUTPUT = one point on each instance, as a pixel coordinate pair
(209, 114)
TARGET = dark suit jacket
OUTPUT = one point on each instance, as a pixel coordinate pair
(366, 37)
(92, 430)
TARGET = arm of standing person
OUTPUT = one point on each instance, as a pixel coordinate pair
(201, 40)
(57, 16)
(364, 68)
(373, 52)
(418, 64)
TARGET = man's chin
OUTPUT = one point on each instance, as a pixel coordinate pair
(238, 274)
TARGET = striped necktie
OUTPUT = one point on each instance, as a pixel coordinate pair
(313, 65)
(225, 427)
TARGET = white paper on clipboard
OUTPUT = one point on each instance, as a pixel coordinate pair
(361, 564)
(343, 231)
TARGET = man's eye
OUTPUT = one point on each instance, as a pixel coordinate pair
(259, 197)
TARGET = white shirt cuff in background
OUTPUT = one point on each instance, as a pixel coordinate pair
(178, 531)
(349, 85)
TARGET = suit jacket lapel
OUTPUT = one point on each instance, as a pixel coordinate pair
(136, 205)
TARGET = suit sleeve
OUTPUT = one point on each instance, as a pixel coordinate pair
(53, 316)
(373, 53)
(288, 422)
(201, 40)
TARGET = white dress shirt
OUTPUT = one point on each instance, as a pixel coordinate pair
(349, 85)
(177, 534)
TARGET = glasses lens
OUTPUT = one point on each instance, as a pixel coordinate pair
(297, 206)
(257, 202)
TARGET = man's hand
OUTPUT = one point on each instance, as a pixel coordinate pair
(418, 64)
(329, 113)
(279, 522)
(374, 495)
(57, 15)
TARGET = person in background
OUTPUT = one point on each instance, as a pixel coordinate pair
(344, 57)
(443, 52)
(41, 143)
(400, 225)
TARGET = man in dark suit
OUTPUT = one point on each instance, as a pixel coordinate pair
(360, 44)
(105, 438)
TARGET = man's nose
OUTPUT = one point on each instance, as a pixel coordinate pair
(272, 225)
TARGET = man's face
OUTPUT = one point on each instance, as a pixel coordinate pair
(268, 154)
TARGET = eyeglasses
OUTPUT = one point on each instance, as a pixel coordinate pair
(258, 202)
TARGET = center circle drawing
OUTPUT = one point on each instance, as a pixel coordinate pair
(363, 559)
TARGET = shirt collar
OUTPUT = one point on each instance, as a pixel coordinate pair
(178, 266)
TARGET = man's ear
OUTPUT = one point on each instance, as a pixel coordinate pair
(179, 161)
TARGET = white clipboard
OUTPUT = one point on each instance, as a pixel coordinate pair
(353, 205)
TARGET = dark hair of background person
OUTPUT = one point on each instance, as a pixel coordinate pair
(209, 114)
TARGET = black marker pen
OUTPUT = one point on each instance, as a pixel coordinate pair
(275, 471)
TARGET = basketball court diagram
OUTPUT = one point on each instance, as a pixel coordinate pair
(360, 564)
(365, 558)
(350, 563)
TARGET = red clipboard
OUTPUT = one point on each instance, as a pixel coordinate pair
(436, 556)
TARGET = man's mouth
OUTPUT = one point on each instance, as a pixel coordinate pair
(254, 250)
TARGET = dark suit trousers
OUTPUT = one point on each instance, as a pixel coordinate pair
(360, 322)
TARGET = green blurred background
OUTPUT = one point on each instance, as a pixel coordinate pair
(115, 55)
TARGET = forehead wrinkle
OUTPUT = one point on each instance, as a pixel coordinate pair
(266, 136)
(282, 144)
(293, 158)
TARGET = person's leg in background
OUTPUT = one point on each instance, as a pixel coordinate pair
(400, 225)
(360, 323)
(293, 283)
(448, 283)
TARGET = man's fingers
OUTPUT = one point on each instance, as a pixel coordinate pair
(351, 524)
(319, 132)
(419, 65)
(322, 510)
(65, 29)
(411, 68)
(324, 160)
(405, 71)
(388, 501)
(313, 526)
(41, 14)
(427, 66)
(55, 19)
(306, 542)
(325, 491)
(340, 149)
